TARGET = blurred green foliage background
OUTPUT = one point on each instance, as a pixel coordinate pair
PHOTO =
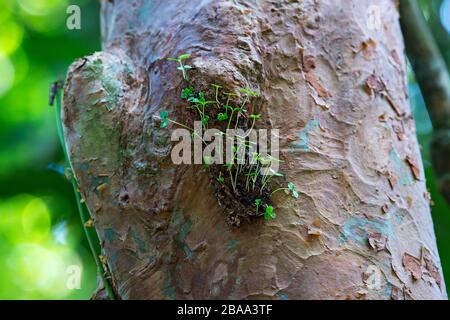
(40, 230)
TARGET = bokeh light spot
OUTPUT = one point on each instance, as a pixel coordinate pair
(11, 35)
(41, 7)
(41, 269)
(36, 220)
(7, 74)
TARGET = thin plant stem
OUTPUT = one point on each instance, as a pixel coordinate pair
(279, 189)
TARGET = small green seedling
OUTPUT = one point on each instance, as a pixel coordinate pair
(231, 110)
(257, 204)
(249, 92)
(187, 93)
(255, 116)
(222, 117)
(182, 67)
(269, 213)
(291, 189)
(217, 87)
(221, 179)
(164, 121)
(205, 120)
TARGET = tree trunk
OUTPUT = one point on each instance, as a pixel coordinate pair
(333, 84)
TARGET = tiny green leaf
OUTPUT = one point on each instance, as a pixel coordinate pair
(187, 92)
(184, 56)
(205, 120)
(163, 114)
(222, 116)
(293, 189)
(249, 92)
(269, 213)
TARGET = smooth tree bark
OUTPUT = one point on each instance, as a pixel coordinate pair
(335, 86)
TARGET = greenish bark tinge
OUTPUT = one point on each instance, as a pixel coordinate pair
(434, 81)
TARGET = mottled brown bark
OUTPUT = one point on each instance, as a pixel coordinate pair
(337, 92)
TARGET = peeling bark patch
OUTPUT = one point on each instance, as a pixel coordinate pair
(357, 229)
(395, 294)
(303, 143)
(399, 131)
(412, 264)
(407, 294)
(308, 63)
(392, 180)
(404, 174)
(377, 241)
(429, 267)
(414, 167)
(313, 231)
(368, 47)
(374, 85)
(396, 57)
(393, 105)
(320, 89)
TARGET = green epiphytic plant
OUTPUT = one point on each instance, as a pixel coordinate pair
(164, 121)
(291, 189)
(248, 170)
(258, 202)
(85, 216)
(183, 67)
(269, 213)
